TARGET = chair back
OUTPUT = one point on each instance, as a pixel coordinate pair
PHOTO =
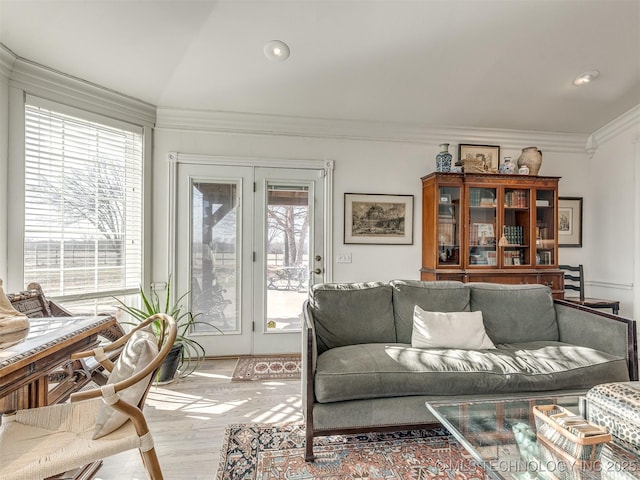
(574, 279)
(165, 344)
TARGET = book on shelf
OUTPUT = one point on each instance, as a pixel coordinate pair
(485, 229)
(482, 197)
(516, 198)
(447, 233)
(511, 257)
(514, 234)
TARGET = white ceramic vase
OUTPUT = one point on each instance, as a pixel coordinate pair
(531, 157)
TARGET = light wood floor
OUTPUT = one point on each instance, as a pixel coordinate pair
(188, 419)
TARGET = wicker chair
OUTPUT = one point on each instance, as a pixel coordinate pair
(47, 441)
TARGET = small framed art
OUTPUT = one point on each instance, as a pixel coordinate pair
(479, 158)
(570, 221)
(378, 219)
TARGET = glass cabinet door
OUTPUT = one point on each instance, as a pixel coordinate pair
(516, 227)
(545, 227)
(448, 225)
(482, 226)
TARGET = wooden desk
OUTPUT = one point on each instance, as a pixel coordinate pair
(25, 368)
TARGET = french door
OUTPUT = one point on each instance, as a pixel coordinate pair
(248, 242)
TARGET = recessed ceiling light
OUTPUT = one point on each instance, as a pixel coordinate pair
(586, 77)
(277, 51)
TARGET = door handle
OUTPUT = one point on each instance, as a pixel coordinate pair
(318, 271)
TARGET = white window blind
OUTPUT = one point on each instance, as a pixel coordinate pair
(83, 204)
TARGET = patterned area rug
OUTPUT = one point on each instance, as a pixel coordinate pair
(270, 452)
(267, 368)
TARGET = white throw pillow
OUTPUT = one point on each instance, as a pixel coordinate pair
(463, 330)
(138, 352)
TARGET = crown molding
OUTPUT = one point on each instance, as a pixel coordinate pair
(7, 59)
(41, 81)
(262, 124)
(614, 127)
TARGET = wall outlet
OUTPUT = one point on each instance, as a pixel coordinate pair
(344, 258)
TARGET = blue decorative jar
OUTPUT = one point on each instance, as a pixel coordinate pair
(443, 159)
(508, 166)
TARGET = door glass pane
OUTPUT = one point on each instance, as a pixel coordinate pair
(287, 255)
(215, 264)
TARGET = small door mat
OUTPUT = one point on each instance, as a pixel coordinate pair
(269, 367)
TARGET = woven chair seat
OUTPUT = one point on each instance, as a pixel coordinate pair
(59, 439)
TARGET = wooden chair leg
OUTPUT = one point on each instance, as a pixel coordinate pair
(151, 464)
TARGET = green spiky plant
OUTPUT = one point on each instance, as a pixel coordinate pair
(192, 353)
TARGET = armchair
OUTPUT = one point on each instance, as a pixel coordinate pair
(46, 441)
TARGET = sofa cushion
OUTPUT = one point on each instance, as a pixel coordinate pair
(515, 313)
(447, 296)
(449, 330)
(352, 313)
(392, 370)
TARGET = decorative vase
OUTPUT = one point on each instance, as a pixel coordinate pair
(443, 159)
(531, 158)
(508, 166)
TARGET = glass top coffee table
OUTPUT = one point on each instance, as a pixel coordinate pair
(500, 435)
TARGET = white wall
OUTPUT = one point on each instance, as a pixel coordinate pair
(610, 208)
(389, 165)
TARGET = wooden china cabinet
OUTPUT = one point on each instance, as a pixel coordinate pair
(485, 227)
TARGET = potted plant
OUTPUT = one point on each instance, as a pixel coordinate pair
(186, 354)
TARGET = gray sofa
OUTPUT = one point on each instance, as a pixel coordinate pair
(360, 372)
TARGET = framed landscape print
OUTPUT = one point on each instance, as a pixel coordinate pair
(570, 221)
(378, 219)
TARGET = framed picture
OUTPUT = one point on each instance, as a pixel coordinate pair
(479, 158)
(445, 198)
(378, 219)
(570, 221)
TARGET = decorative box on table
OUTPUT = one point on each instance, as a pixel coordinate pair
(569, 434)
(616, 406)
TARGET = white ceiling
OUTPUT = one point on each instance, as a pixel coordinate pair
(464, 63)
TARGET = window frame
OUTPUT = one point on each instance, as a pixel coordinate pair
(87, 101)
(71, 121)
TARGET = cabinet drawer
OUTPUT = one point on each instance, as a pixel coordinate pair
(506, 278)
(551, 280)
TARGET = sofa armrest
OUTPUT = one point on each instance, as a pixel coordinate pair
(588, 327)
(309, 357)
